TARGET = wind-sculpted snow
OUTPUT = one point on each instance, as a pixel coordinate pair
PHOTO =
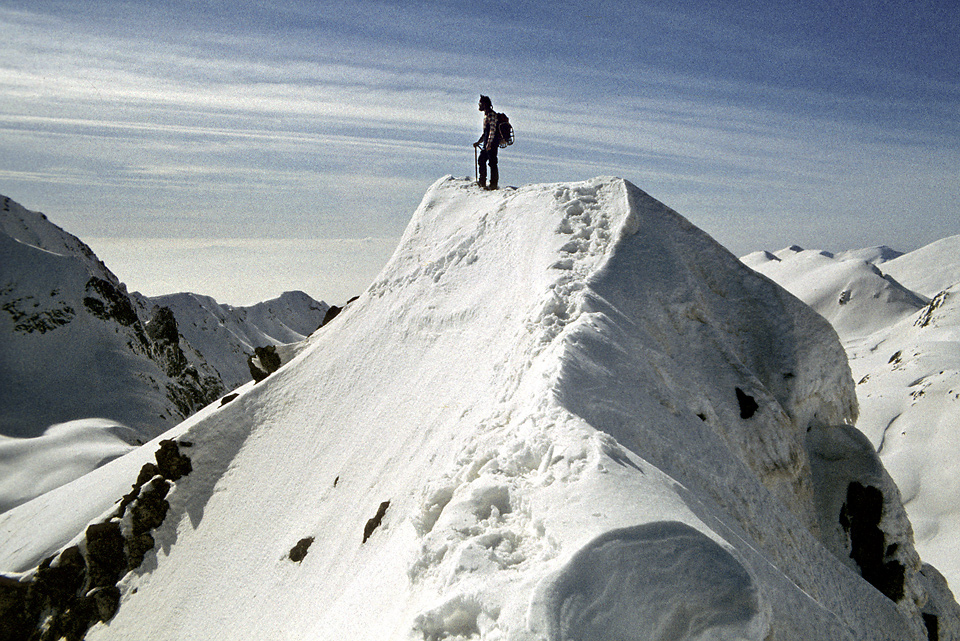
(533, 426)
(661, 580)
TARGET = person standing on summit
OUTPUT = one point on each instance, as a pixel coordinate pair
(488, 145)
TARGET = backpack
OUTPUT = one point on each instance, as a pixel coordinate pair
(504, 130)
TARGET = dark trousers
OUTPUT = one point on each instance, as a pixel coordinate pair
(489, 156)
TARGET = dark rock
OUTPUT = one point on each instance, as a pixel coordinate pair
(299, 551)
(106, 600)
(860, 517)
(269, 359)
(74, 620)
(172, 464)
(147, 472)
(137, 547)
(265, 362)
(374, 523)
(332, 312)
(27, 320)
(748, 405)
(255, 372)
(162, 326)
(108, 303)
(58, 583)
(70, 593)
(106, 560)
(18, 614)
(226, 399)
(932, 622)
(150, 508)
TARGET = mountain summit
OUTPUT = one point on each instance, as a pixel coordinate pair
(560, 412)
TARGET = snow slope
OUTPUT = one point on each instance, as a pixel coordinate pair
(31, 466)
(905, 358)
(930, 269)
(227, 335)
(848, 289)
(909, 385)
(561, 412)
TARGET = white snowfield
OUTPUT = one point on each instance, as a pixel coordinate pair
(577, 417)
(899, 319)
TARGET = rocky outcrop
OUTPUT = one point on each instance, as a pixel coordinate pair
(263, 363)
(70, 592)
(227, 336)
(190, 390)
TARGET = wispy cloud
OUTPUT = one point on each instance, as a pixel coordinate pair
(186, 118)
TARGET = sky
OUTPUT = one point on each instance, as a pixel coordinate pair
(211, 146)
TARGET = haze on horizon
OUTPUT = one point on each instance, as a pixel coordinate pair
(765, 124)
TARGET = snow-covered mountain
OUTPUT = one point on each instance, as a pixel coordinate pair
(899, 318)
(560, 412)
(88, 369)
(227, 335)
(77, 345)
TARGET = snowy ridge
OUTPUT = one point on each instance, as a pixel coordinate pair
(930, 269)
(561, 412)
(848, 289)
(32, 228)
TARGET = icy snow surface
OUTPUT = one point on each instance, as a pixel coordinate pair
(560, 412)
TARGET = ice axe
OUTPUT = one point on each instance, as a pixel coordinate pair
(476, 165)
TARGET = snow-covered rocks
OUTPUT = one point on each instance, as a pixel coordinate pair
(227, 336)
(567, 414)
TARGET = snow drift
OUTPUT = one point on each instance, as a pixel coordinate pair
(561, 412)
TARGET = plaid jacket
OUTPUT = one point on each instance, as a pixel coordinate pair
(489, 138)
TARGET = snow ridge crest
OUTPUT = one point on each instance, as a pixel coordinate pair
(580, 417)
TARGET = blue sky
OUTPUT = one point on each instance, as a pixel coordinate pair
(829, 125)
